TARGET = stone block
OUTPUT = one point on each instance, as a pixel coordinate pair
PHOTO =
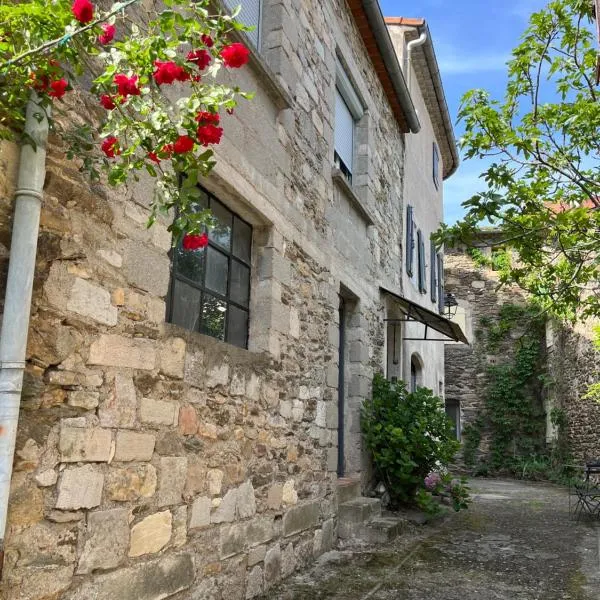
(321, 415)
(288, 560)
(289, 495)
(173, 473)
(91, 301)
(118, 351)
(332, 415)
(107, 540)
(300, 518)
(272, 265)
(44, 582)
(151, 534)
(188, 420)
(194, 372)
(254, 583)
(272, 566)
(200, 513)
(328, 537)
(259, 530)
(226, 511)
(158, 412)
(84, 445)
(217, 375)
(172, 357)
(232, 540)
(46, 478)
(152, 580)
(120, 407)
(275, 496)
(256, 555)
(294, 323)
(130, 483)
(214, 479)
(83, 399)
(179, 537)
(80, 487)
(134, 446)
(245, 502)
(147, 268)
(359, 352)
(332, 459)
(111, 257)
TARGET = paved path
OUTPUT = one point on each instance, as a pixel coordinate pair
(516, 542)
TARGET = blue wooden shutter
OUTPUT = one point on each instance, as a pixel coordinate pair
(344, 131)
(440, 263)
(433, 265)
(249, 15)
(410, 240)
(421, 265)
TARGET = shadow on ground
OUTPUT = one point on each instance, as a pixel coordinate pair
(516, 542)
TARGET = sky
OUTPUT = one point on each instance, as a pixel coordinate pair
(473, 40)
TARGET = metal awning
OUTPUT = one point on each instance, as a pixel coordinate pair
(431, 320)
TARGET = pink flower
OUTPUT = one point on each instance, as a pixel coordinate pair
(194, 242)
(83, 10)
(235, 55)
(209, 134)
(108, 102)
(110, 146)
(168, 72)
(201, 58)
(183, 144)
(108, 35)
(128, 86)
(432, 481)
(59, 87)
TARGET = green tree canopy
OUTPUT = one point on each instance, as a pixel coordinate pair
(543, 182)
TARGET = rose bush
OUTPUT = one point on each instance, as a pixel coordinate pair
(134, 56)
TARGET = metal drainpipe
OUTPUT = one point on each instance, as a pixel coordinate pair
(408, 56)
(17, 303)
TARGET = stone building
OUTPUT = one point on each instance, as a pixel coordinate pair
(570, 358)
(185, 417)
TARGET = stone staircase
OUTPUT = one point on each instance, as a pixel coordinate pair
(360, 519)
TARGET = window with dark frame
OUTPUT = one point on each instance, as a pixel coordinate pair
(410, 240)
(421, 263)
(436, 165)
(250, 15)
(210, 287)
(440, 286)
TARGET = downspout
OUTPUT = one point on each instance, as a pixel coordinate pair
(19, 286)
(408, 56)
(384, 43)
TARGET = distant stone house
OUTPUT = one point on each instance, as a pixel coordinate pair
(185, 416)
(571, 360)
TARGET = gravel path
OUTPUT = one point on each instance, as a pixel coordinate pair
(516, 542)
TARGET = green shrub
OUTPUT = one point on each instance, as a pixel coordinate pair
(408, 435)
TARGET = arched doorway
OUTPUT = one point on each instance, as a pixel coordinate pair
(416, 372)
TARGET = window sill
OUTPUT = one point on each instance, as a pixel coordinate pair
(278, 93)
(341, 181)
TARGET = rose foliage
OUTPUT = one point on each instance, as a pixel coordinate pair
(539, 151)
(154, 103)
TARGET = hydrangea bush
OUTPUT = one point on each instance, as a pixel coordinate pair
(135, 57)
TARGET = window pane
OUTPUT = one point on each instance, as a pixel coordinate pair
(249, 15)
(239, 288)
(221, 234)
(242, 240)
(237, 327)
(216, 271)
(213, 317)
(185, 305)
(190, 264)
(344, 131)
(202, 202)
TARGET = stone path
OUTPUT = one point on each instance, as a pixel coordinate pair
(516, 542)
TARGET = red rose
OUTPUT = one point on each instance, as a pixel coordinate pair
(59, 87)
(209, 134)
(108, 102)
(201, 58)
(39, 82)
(108, 35)
(83, 10)
(154, 157)
(206, 118)
(207, 40)
(127, 86)
(195, 242)
(167, 149)
(235, 55)
(184, 143)
(110, 146)
(168, 72)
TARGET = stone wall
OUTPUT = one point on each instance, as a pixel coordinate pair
(153, 461)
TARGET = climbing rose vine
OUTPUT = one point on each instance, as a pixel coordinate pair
(154, 104)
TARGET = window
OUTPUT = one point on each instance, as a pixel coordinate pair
(410, 240)
(210, 288)
(250, 15)
(433, 267)
(421, 262)
(348, 110)
(436, 166)
(453, 413)
(416, 372)
(440, 286)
